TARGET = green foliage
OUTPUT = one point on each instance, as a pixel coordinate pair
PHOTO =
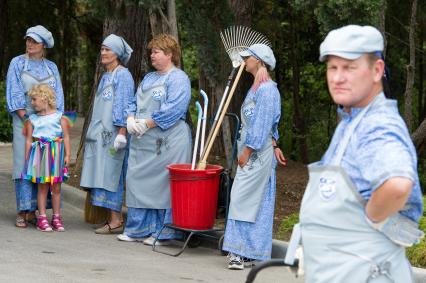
(417, 253)
(286, 226)
(203, 20)
(335, 13)
(5, 118)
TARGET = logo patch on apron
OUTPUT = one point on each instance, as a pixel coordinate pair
(157, 94)
(248, 109)
(107, 94)
(52, 83)
(327, 189)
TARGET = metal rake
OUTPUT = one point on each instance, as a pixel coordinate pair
(235, 39)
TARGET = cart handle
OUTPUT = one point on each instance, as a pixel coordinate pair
(265, 264)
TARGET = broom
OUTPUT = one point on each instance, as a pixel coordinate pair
(235, 39)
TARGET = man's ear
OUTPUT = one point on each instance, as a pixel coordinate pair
(379, 68)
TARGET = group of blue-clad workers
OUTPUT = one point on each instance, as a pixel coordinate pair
(363, 201)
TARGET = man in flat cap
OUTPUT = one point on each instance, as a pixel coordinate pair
(363, 201)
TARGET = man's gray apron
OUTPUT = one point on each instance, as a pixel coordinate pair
(250, 182)
(102, 165)
(339, 245)
(28, 81)
(147, 181)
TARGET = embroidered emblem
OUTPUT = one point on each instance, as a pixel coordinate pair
(157, 94)
(107, 94)
(248, 109)
(327, 189)
(52, 83)
(106, 138)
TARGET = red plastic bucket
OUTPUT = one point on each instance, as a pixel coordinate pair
(194, 195)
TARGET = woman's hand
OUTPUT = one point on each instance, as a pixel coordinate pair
(280, 156)
(244, 156)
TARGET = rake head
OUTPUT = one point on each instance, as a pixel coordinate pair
(238, 38)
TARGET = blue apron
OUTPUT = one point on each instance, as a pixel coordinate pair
(28, 82)
(102, 165)
(147, 180)
(339, 245)
(251, 181)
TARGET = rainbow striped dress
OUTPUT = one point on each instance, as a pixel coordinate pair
(45, 164)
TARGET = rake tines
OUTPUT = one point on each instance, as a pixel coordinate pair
(238, 38)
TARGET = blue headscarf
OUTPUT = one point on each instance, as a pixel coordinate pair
(119, 46)
(41, 35)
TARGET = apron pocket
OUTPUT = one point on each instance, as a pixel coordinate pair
(93, 131)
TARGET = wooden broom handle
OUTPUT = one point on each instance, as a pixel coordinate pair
(202, 164)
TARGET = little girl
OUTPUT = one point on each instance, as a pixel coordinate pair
(47, 153)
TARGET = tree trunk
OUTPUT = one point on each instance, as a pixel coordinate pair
(172, 20)
(408, 114)
(298, 117)
(421, 98)
(419, 138)
(242, 11)
(163, 19)
(131, 22)
(3, 29)
(80, 81)
(382, 23)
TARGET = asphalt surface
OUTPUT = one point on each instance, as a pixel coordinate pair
(79, 255)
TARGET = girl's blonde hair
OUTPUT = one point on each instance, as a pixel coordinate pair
(45, 92)
(168, 44)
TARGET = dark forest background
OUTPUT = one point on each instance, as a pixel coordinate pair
(295, 28)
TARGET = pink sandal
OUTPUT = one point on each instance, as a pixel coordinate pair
(43, 224)
(57, 223)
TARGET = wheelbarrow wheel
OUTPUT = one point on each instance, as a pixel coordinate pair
(194, 242)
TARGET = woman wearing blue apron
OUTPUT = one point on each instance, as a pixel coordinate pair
(160, 137)
(251, 211)
(106, 149)
(363, 201)
(24, 72)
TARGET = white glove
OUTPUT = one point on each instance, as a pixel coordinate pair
(141, 127)
(300, 269)
(131, 123)
(120, 142)
(399, 229)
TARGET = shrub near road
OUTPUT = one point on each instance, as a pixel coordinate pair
(5, 118)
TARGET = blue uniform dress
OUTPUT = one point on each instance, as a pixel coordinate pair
(254, 239)
(124, 93)
(16, 99)
(141, 220)
(380, 148)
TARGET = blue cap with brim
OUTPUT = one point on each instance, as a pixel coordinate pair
(119, 46)
(261, 52)
(351, 42)
(41, 35)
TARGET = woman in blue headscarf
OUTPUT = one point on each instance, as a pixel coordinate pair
(105, 155)
(26, 71)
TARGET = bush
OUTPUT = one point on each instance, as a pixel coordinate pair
(5, 118)
(286, 226)
(417, 253)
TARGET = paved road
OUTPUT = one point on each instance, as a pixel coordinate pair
(79, 255)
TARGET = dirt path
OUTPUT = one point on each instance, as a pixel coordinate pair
(291, 183)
